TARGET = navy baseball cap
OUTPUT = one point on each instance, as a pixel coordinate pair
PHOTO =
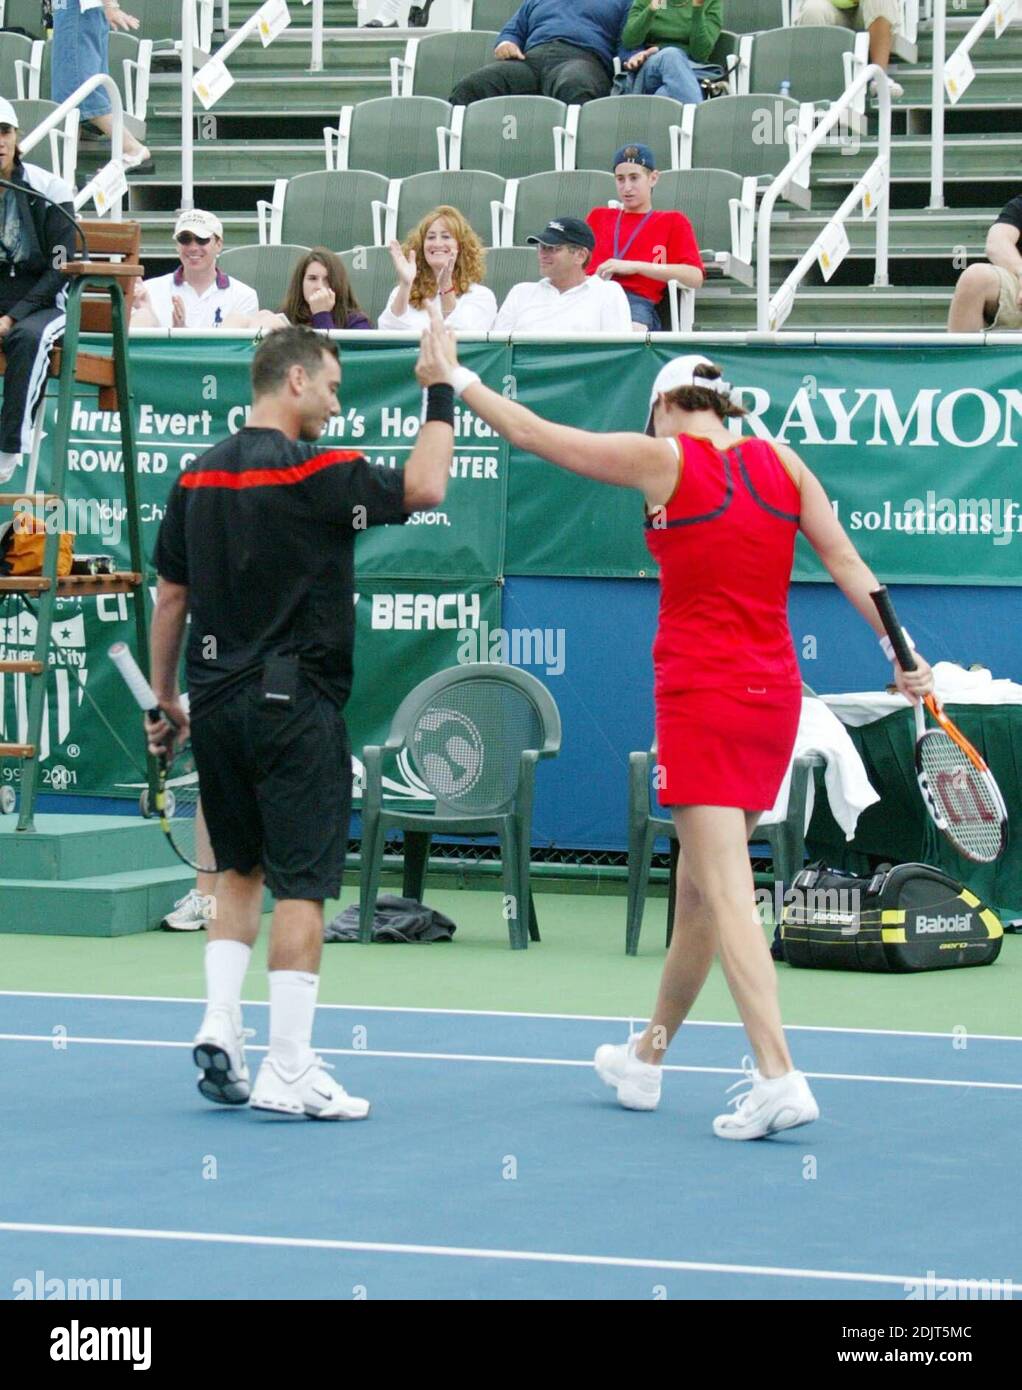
(565, 231)
(635, 154)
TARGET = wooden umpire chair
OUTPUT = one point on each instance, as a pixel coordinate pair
(99, 300)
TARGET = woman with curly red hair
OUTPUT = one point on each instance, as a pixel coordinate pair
(442, 261)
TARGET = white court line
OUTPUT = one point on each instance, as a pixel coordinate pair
(508, 1013)
(467, 1252)
(512, 1061)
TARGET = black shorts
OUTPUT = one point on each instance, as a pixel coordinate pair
(276, 789)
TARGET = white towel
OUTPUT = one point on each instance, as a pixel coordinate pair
(848, 788)
(953, 684)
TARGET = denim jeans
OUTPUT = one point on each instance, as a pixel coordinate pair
(672, 73)
(79, 52)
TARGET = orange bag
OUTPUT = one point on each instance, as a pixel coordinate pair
(21, 547)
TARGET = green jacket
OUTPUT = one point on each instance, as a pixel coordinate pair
(695, 28)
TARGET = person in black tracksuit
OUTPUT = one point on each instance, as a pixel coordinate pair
(34, 242)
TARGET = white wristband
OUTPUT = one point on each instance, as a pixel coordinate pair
(462, 378)
(887, 648)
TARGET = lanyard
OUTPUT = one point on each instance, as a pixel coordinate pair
(619, 254)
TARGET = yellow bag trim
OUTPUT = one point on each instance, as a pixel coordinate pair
(893, 914)
(969, 898)
(992, 923)
(893, 933)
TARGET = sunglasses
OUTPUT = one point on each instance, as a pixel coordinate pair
(186, 239)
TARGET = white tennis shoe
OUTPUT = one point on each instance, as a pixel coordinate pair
(309, 1091)
(191, 913)
(219, 1053)
(769, 1105)
(637, 1083)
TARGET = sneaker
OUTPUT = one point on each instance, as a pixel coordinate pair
(189, 913)
(139, 160)
(9, 463)
(770, 1104)
(897, 90)
(637, 1083)
(307, 1091)
(219, 1053)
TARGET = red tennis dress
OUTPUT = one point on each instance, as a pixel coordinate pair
(727, 684)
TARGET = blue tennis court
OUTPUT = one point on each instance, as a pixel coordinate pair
(495, 1164)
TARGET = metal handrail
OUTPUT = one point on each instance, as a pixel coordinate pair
(226, 49)
(941, 60)
(54, 119)
(801, 159)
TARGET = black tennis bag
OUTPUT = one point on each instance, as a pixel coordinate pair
(911, 917)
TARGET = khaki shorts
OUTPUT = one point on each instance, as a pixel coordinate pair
(1009, 315)
(861, 17)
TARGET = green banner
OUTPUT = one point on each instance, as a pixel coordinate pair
(916, 445)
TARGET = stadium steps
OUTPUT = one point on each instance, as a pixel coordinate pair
(823, 308)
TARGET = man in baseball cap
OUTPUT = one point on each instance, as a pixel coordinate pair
(198, 294)
(35, 239)
(565, 299)
(639, 248)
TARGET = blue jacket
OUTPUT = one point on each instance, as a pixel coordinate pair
(592, 24)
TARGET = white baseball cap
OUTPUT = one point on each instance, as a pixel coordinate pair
(8, 115)
(684, 371)
(200, 223)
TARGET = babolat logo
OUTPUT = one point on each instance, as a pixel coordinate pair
(937, 926)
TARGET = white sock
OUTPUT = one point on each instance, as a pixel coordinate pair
(226, 963)
(292, 1010)
(8, 466)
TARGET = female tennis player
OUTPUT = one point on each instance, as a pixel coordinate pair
(723, 512)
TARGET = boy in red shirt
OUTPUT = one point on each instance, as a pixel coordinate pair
(639, 248)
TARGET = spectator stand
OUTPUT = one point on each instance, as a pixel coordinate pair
(433, 65)
(828, 250)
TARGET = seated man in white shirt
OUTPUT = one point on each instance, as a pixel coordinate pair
(566, 300)
(197, 294)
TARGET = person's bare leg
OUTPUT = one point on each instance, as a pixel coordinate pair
(106, 125)
(880, 35)
(975, 301)
(239, 904)
(296, 939)
(714, 843)
(689, 957)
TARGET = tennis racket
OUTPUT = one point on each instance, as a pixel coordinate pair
(958, 789)
(178, 803)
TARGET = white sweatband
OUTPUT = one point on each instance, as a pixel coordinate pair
(887, 648)
(462, 378)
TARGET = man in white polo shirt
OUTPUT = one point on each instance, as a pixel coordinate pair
(566, 300)
(197, 294)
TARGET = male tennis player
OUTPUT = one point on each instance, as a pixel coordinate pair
(723, 512)
(257, 547)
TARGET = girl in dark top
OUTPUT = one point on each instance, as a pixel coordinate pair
(319, 296)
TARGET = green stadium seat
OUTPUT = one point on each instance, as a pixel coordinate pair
(507, 266)
(722, 209)
(394, 136)
(492, 14)
(160, 21)
(20, 58)
(509, 136)
(267, 269)
(57, 151)
(371, 272)
(749, 135)
(598, 128)
(433, 66)
(530, 203)
(819, 62)
(476, 194)
(23, 14)
(749, 16)
(332, 208)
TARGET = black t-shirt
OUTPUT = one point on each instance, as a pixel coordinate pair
(262, 531)
(1012, 213)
